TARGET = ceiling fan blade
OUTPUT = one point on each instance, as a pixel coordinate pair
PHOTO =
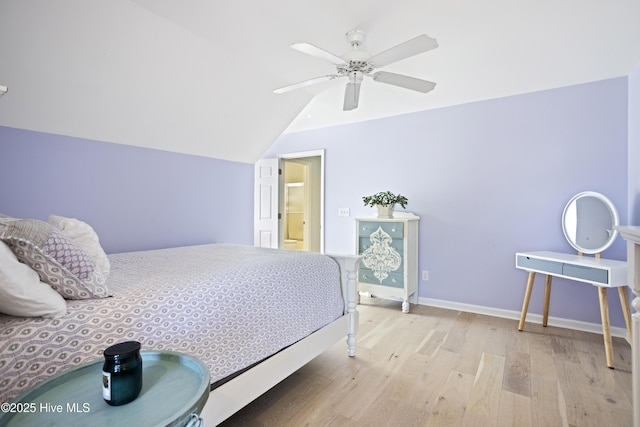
(351, 96)
(312, 50)
(305, 83)
(420, 44)
(406, 82)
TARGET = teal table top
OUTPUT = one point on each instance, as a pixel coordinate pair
(174, 386)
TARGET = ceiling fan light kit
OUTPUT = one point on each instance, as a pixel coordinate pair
(357, 63)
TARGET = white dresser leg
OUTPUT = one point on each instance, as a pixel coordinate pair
(405, 306)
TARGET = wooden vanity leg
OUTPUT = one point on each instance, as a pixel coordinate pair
(606, 328)
(527, 297)
(547, 295)
(624, 302)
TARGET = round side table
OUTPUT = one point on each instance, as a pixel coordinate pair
(175, 388)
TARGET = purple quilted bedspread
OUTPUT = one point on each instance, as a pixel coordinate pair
(228, 305)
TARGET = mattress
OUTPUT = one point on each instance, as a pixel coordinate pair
(230, 306)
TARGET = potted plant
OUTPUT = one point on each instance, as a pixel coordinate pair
(385, 201)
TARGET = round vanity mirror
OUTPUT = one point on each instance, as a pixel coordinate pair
(588, 222)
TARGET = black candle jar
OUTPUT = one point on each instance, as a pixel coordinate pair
(122, 373)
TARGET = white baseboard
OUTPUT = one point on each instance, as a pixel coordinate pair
(577, 325)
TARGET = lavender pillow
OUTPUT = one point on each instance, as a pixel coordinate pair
(57, 259)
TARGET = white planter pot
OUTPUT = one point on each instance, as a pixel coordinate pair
(385, 211)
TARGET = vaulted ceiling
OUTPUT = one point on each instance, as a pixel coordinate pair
(197, 76)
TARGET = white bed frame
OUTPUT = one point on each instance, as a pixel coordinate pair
(235, 394)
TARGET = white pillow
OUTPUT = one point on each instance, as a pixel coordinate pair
(85, 237)
(21, 291)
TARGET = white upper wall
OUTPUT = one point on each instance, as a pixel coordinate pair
(197, 77)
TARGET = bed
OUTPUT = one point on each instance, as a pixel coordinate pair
(253, 315)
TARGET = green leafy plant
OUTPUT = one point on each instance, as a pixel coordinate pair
(385, 198)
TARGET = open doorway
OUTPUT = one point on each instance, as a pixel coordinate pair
(301, 196)
(289, 204)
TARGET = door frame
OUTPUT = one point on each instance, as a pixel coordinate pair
(301, 155)
(269, 204)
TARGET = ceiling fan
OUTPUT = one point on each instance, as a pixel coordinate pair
(357, 63)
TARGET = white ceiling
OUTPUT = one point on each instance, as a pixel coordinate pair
(197, 76)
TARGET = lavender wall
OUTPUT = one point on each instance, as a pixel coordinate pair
(135, 198)
(488, 179)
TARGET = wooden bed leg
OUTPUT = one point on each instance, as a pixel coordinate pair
(527, 297)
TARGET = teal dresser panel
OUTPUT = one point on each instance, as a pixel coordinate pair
(381, 245)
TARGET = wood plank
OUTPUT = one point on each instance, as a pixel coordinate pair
(515, 410)
(484, 406)
(541, 355)
(517, 372)
(497, 341)
(451, 404)
(472, 348)
(548, 403)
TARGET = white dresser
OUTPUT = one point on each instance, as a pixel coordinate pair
(389, 250)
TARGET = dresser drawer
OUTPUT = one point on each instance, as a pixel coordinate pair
(595, 275)
(394, 279)
(394, 229)
(551, 267)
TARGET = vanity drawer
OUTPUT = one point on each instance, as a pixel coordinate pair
(594, 275)
(543, 265)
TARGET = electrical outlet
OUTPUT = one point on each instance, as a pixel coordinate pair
(425, 275)
(343, 212)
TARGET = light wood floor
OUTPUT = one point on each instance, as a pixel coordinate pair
(436, 367)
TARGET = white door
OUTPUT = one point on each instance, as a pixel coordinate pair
(265, 230)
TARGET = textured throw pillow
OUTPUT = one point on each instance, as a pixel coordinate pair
(21, 291)
(5, 218)
(57, 259)
(85, 236)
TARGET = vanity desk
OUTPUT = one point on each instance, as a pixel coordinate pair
(588, 223)
(599, 272)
